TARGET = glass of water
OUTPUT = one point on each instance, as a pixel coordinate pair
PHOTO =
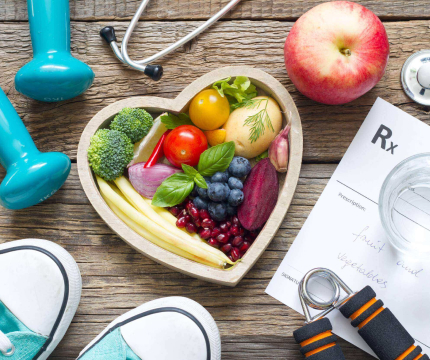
(404, 206)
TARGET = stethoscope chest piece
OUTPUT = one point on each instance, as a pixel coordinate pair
(415, 77)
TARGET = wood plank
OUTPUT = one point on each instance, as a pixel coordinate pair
(328, 131)
(90, 10)
(116, 278)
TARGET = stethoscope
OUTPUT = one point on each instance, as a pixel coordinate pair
(153, 71)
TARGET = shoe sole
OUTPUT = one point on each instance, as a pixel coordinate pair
(183, 305)
(72, 281)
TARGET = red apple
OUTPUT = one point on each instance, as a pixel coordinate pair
(336, 52)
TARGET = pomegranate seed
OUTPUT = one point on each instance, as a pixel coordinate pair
(237, 241)
(208, 223)
(175, 210)
(235, 220)
(235, 230)
(194, 212)
(222, 238)
(189, 205)
(181, 222)
(228, 224)
(205, 233)
(241, 231)
(235, 254)
(244, 247)
(191, 228)
(204, 214)
(248, 238)
(223, 227)
(183, 213)
(198, 222)
(215, 232)
(253, 234)
(230, 257)
(213, 242)
(226, 248)
(187, 218)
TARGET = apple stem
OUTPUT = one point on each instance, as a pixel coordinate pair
(346, 52)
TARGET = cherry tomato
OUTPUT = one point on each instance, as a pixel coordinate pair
(209, 110)
(184, 145)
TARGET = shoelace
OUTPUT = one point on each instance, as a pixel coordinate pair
(6, 346)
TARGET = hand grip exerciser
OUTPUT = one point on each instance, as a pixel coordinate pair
(377, 325)
(53, 74)
(32, 176)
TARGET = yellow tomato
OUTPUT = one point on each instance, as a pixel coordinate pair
(209, 110)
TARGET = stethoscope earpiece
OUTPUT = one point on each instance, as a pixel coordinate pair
(415, 77)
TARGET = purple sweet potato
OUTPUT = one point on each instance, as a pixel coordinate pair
(261, 194)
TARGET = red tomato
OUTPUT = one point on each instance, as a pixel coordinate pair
(184, 145)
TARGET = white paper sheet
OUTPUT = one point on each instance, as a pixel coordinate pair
(344, 233)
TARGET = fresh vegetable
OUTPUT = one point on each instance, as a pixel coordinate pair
(215, 137)
(135, 123)
(239, 167)
(253, 126)
(260, 195)
(146, 180)
(216, 159)
(172, 121)
(158, 151)
(209, 109)
(135, 208)
(184, 144)
(279, 151)
(262, 156)
(109, 153)
(241, 89)
(177, 187)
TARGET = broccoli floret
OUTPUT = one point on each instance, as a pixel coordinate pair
(109, 153)
(135, 123)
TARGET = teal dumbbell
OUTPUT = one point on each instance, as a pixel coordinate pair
(53, 74)
(32, 176)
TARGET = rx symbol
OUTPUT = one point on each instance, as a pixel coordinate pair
(384, 133)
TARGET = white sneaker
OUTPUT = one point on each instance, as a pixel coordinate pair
(40, 289)
(173, 328)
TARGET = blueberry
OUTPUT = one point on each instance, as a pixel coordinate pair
(203, 193)
(200, 203)
(235, 183)
(217, 211)
(239, 167)
(220, 177)
(236, 197)
(231, 210)
(217, 191)
(227, 188)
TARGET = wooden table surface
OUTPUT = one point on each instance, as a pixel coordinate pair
(115, 277)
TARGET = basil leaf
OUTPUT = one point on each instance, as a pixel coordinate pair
(217, 158)
(172, 121)
(189, 170)
(173, 190)
(200, 181)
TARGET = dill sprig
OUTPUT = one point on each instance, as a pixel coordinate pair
(259, 121)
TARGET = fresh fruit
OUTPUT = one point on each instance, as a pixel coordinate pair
(236, 197)
(235, 183)
(260, 195)
(336, 52)
(200, 203)
(209, 110)
(253, 126)
(184, 145)
(221, 177)
(215, 137)
(217, 211)
(218, 192)
(239, 167)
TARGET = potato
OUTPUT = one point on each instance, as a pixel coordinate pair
(240, 133)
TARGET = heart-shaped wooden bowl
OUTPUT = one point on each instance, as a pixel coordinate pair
(155, 106)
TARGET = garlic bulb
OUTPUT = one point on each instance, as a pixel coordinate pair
(279, 150)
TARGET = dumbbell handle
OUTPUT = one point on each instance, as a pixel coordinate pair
(381, 330)
(16, 142)
(317, 341)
